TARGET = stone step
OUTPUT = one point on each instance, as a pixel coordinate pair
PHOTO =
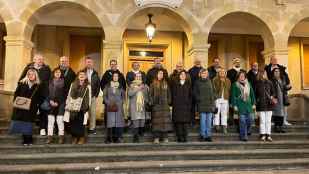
(173, 155)
(127, 138)
(159, 166)
(101, 147)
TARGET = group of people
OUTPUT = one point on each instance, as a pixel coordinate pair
(214, 94)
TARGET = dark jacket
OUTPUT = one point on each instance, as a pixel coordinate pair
(222, 86)
(244, 107)
(44, 74)
(69, 77)
(107, 78)
(152, 73)
(282, 72)
(95, 83)
(252, 78)
(194, 74)
(23, 90)
(57, 94)
(174, 78)
(263, 93)
(204, 95)
(232, 75)
(181, 101)
(131, 75)
(212, 72)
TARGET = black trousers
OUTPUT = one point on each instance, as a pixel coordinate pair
(160, 134)
(27, 139)
(278, 120)
(181, 131)
(43, 119)
(113, 134)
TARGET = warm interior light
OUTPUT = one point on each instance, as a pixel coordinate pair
(142, 53)
(150, 28)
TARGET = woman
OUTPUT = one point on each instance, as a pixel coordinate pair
(205, 98)
(160, 99)
(56, 101)
(77, 106)
(22, 118)
(265, 100)
(222, 87)
(181, 102)
(138, 98)
(243, 101)
(281, 88)
(114, 96)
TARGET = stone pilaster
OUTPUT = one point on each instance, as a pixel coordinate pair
(199, 52)
(112, 50)
(18, 55)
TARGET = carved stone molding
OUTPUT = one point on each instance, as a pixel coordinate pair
(170, 3)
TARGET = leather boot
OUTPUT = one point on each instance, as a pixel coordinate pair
(74, 140)
(81, 141)
(61, 139)
(49, 139)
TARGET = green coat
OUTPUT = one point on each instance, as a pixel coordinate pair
(242, 106)
(204, 94)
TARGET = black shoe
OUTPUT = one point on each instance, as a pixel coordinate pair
(282, 130)
(208, 139)
(249, 133)
(108, 141)
(244, 140)
(202, 139)
(94, 132)
(135, 139)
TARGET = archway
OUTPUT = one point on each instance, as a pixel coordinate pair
(171, 41)
(66, 28)
(239, 34)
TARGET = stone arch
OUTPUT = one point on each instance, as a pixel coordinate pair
(31, 13)
(186, 18)
(267, 29)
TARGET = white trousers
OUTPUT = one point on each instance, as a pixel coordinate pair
(223, 108)
(51, 123)
(265, 122)
(92, 113)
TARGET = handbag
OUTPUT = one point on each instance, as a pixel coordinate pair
(23, 103)
(112, 108)
(74, 105)
(45, 105)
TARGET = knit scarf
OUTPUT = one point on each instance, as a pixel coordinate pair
(114, 86)
(244, 89)
(139, 96)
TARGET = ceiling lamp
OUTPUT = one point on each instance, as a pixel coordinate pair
(150, 28)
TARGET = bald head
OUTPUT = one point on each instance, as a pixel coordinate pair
(64, 61)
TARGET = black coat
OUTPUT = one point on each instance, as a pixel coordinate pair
(252, 78)
(59, 97)
(131, 75)
(107, 78)
(152, 73)
(212, 72)
(95, 83)
(263, 93)
(232, 75)
(181, 102)
(69, 77)
(44, 74)
(23, 90)
(194, 74)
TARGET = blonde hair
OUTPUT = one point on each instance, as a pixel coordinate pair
(26, 80)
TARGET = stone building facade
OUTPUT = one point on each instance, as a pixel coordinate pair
(251, 29)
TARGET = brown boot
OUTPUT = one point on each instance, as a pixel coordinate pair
(81, 140)
(61, 139)
(49, 139)
(74, 140)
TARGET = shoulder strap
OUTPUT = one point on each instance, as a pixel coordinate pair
(34, 91)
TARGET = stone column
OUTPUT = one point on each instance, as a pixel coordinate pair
(281, 54)
(199, 52)
(112, 50)
(18, 55)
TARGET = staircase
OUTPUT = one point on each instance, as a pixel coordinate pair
(288, 153)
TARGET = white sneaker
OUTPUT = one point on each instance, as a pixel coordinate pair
(42, 132)
(286, 123)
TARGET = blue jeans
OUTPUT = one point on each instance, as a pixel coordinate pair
(205, 124)
(244, 125)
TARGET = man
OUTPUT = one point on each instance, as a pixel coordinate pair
(151, 74)
(194, 75)
(232, 73)
(135, 70)
(252, 74)
(44, 73)
(213, 69)
(269, 68)
(107, 76)
(175, 75)
(94, 81)
(68, 74)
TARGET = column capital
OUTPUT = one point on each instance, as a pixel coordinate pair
(198, 48)
(274, 52)
(112, 44)
(18, 41)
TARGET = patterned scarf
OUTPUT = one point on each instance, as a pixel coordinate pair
(139, 96)
(114, 85)
(244, 89)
